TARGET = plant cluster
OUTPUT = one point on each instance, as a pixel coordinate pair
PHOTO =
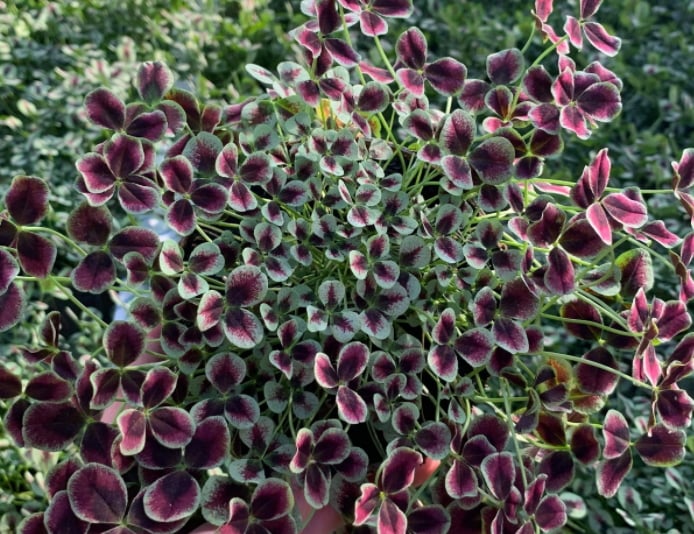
(354, 308)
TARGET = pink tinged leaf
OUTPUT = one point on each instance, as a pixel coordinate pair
(446, 75)
(94, 273)
(616, 433)
(328, 18)
(662, 447)
(373, 98)
(36, 254)
(51, 426)
(630, 213)
(600, 39)
(391, 519)
(123, 342)
(537, 83)
(573, 29)
(596, 216)
(589, 8)
(242, 328)
(342, 52)
(498, 471)
(657, 231)
(172, 497)
(366, 503)
(326, 376)
(371, 24)
(202, 151)
(399, 469)
(559, 278)
(27, 199)
(226, 163)
(505, 67)
(444, 362)
(317, 486)
(132, 426)
(572, 118)
(543, 9)
(493, 160)
(105, 383)
(135, 239)
(551, 513)
(97, 494)
(158, 385)
(674, 406)
(393, 8)
(596, 380)
(673, 320)
(636, 267)
(351, 408)
(600, 101)
(257, 169)
(684, 170)
(598, 174)
(475, 346)
(124, 155)
(510, 335)
(105, 109)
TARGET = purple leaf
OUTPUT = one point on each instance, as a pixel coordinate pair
(271, 499)
(342, 52)
(444, 362)
(202, 151)
(510, 335)
(559, 277)
(551, 513)
(461, 481)
(94, 273)
(616, 433)
(597, 217)
(171, 426)
(458, 171)
(140, 520)
(399, 470)
(105, 109)
(601, 101)
(210, 310)
(600, 39)
(391, 519)
(636, 267)
(10, 384)
(177, 173)
(151, 125)
(60, 518)
(493, 160)
(498, 471)
(505, 67)
(684, 170)
(434, 439)
(36, 254)
(411, 48)
(27, 199)
(350, 406)
(51, 426)
(432, 519)
(225, 370)
(517, 301)
(457, 132)
(242, 411)
(446, 75)
(371, 24)
(610, 474)
(97, 494)
(674, 406)
(172, 497)
(630, 213)
(215, 496)
(559, 468)
(98, 442)
(89, 224)
(373, 98)
(475, 345)
(123, 342)
(48, 386)
(662, 447)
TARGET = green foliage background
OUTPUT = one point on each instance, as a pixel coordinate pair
(53, 53)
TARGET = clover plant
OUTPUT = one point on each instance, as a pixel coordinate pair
(356, 302)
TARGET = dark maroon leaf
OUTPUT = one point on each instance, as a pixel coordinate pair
(89, 224)
(154, 79)
(97, 494)
(159, 384)
(584, 444)
(98, 442)
(636, 266)
(559, 468)
(505, 67)
(610, 474)
(140, 520)
(576, 313)
(105, 109)
(225, 371)
(172, 497)
(510, 335)
(10, 384)
(171, 426)
(27, 199)
(342, 52)
(475, 346)
(150, 125)
(11, 306)
(36, 254)
(461, 480)
(600, 39)
(51, 426)
(48, 386)
(595, 380)
(551, 513)
(137, 198)
(434, 439)
(559, 277)
(59, 517)
(123, 342)
(517, 301)
(662, 447)
(399, 469)
(177, 173)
